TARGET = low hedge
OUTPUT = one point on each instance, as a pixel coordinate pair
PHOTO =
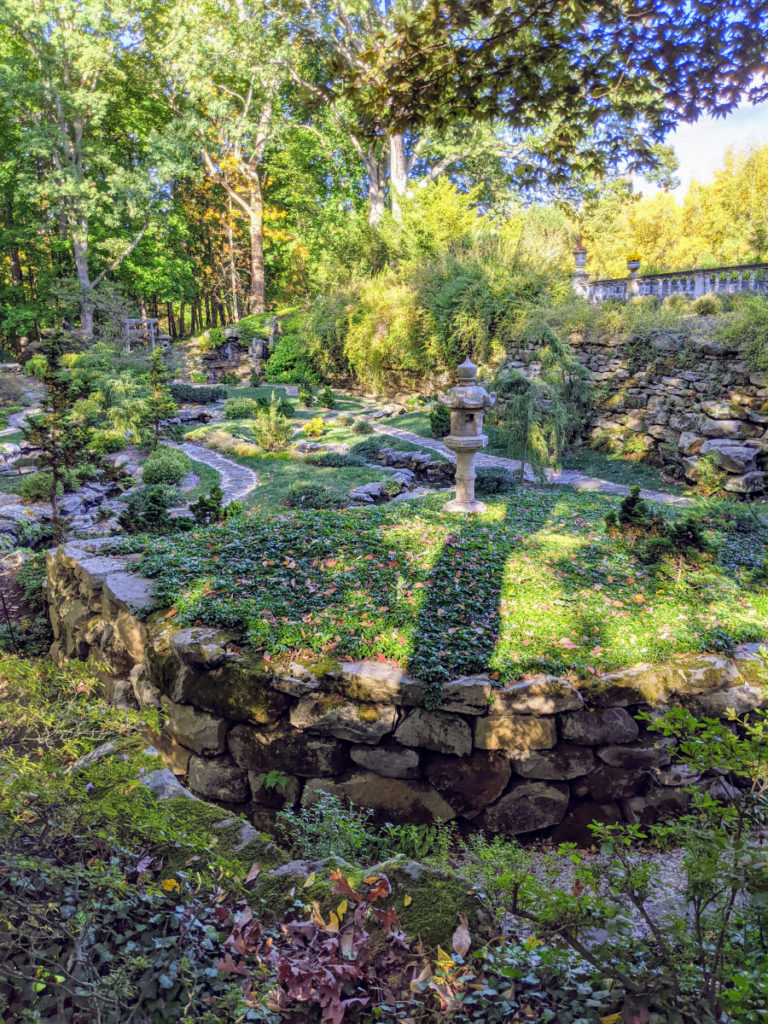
(191, 394)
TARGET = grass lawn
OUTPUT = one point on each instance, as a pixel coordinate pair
(10, 484)
(533, 585)
(208, 477)
(277, 475)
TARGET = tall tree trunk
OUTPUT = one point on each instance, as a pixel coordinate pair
(17, 282)
(207, 310)
(256, 239)
(80, 249)
(181, 319)
(143, 307)
(232, 268)
(398, 173)
(171, 321)
(377, 185)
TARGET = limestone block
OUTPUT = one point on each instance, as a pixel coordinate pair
(515, 733)
(676, 775)
(435, 730)
(218, 779)
(740, 699)
(638, 684)
(542, 695)
(607, 783)
(662, 433)
(655, 805)
(344, 719)
(609, 726)
(286, 749)
(723, 411)
(201, 732)
(750, 664)
(527, 807)
(390, 760)
(200, 646)
(635, 757)
(379, 683)
(737, 429)
(562, 762)
(469, 784)
(735, 458)
(468, 695)
(689, 443)
(173, 753)
(392, 799)
(749, 483)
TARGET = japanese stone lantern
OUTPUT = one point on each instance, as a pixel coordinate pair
(467, 403)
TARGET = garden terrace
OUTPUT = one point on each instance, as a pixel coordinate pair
(533, 585)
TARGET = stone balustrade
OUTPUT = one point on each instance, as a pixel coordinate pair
(537, 756)
(751, 277)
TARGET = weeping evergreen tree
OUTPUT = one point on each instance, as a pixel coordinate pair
(537, 416)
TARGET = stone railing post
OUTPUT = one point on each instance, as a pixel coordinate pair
(580, 278)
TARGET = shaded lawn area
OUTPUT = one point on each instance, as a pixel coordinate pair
(532, 585)
(277, 475)
(208, 477)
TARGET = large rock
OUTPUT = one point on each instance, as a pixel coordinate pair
(435, 730)
(750, 664)
(515, 732)
(388, 759)
(654, 684)
(748, 483)
(218, 779)
(731, 457)
(527, 807)
(635, 757)
(197, 730)
(378, 682)
(542, 695)
(741, 699)
(392, 799)
(735, 429)
(562, 762)
(201, 667)
(609, 726)
(469, 784)
(607, 783)
(344, 719)
(287, 750)
(275, 790)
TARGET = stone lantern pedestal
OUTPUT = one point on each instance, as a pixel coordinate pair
(467, 403)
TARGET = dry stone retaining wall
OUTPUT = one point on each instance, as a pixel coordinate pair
(534, 756)
(697, 397)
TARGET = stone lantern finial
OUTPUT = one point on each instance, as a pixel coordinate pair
(467, 402)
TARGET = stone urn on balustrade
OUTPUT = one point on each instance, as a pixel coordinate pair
(466, 402)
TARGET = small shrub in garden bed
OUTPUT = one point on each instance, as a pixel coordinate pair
(166, 466)
(312, 496)
(230, 379)
(494, 480)
(37, 487)
(326, 398)
(315, 427)
(547, 590)
(336, 459)
(345, 420)
(440, 421)
(241, 408)
(306, 397)
(147, 510)
(193, 395)
(361, 426)
(107, 442)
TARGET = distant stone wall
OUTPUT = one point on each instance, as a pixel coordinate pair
(534, 757)
(692, 398)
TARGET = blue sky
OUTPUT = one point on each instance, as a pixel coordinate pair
(700, 147)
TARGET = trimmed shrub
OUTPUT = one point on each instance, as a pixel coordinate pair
(272, 429)
(290, 363)
(440, 421)
(346, 419)
(312, 496)
(306, 397)
(107, 442)
(335, 459)
(230, 379)
(361, 426)
(326, 398)
(315, 427)
(187, 394)
(241, 408)
(494, 480)
(147, 510)
(166, 466)
(37, 487)
(707, 305)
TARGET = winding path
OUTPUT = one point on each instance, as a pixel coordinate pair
(237, 481)
(563, 477)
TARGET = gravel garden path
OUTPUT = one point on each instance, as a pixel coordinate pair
(564, 477)
(236, 481)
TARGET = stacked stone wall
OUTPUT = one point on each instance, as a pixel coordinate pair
(535, 756)
(684, 399)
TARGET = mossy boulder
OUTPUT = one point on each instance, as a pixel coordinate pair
(428, 900)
